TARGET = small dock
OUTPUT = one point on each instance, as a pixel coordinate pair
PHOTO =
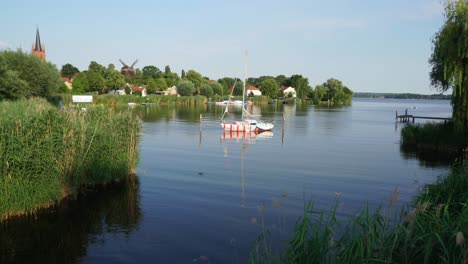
(410, 118)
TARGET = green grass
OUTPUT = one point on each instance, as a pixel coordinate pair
(47, 154)
(114, 99)
(433, 136)
(430, 231)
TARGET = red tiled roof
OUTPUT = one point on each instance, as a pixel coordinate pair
(252, 88)
(284, 87)
(66, 79)
(211, 81)
(137, 88)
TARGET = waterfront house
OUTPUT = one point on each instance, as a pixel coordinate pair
(67, 81)
(252, 90)
(140, 90)
(288, 90)
(171, 91)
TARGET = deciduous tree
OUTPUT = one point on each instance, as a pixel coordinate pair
(185, 88)
(269, 87)
(68, 70)
(449, 59)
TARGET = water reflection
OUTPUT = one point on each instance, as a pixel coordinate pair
(245, 139)
(63, 234)
(427, 158)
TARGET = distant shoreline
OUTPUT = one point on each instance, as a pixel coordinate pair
(402, 96)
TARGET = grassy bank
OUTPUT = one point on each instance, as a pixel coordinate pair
(431, 231)
(46, 154)
(433, 136)
(114, 99)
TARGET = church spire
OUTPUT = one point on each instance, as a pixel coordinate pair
(38, 45)
(38, 49)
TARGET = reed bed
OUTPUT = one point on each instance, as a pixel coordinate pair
(113, 99)
(433, 230)
(433, 136)
(47, 154)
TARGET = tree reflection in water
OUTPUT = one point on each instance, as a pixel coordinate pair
(62, 234)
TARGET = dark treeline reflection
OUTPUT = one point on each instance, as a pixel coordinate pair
(428, 158)
(62, 234)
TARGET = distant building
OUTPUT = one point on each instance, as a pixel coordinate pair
(288, 90)
(252, 90)
(171, 91)
(67, 81)
(138, 89)
(38, 48)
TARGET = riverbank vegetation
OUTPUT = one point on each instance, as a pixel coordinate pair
(433, 229)
(47, 154)
(403, 96)
(23, 76)
(100, 79)
(434, 136)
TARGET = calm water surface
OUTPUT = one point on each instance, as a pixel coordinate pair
(206, 195)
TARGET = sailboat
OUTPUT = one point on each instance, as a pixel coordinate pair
(245, 125)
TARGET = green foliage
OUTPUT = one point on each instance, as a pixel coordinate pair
(433, 136)
(11, 85)
(97, 68)
(161, 84)
(114, 99)
(227, 83)
(167, 70)
(269, 87)
(171, 79)
(185, 88)
(127, 89)
(69, 70)
(319, 94)
(42, 78)
(403, 96)
(114, 80)
(138, 78)
(332, 90)
(95, 82)
(301, 85)
(80, 83)
(47, 154)
(281, 80)
(206, 90)
(217, 88)
(238, 88)
(182, 74)
(449, 59)
(433, 230)
(196, 78)
(151, 72)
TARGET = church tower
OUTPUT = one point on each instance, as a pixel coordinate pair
(38, 49)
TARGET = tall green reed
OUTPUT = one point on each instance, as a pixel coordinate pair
(47, 154)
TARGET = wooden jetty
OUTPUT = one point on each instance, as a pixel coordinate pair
(407, 118)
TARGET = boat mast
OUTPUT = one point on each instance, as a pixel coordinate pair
(243, 90)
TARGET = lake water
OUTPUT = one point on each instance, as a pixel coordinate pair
(205, 197)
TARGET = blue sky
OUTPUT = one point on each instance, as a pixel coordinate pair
(371, 45)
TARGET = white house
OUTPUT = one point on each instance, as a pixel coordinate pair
(171, 91)
(138, 89)
(288, 90)
(118, 91)
(253, 90)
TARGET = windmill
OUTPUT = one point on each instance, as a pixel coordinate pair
(126, 70)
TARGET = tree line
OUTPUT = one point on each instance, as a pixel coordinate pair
(23, 75)
(98, 78)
